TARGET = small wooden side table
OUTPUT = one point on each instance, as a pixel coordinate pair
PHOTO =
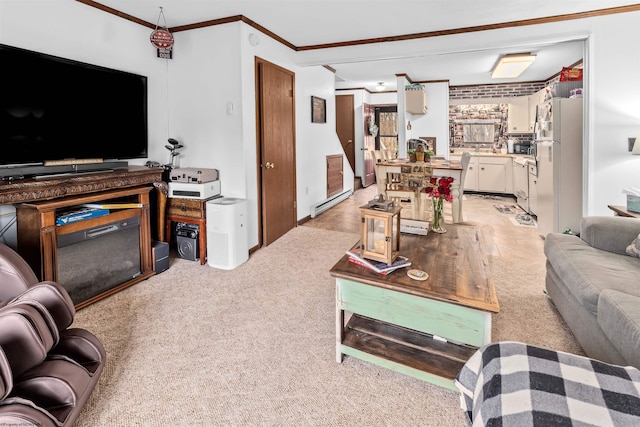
(190, 211)
(622, 211)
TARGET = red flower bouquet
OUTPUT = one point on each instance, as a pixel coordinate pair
(440, 190)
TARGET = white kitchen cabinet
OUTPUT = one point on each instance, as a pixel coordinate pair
(491, 178)
(518, 118)
(471, 179)
(415, 100)
(533, 104)
(489, 174)
(534, 100)
(495, 174)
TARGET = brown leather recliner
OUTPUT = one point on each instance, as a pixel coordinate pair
(47, 370)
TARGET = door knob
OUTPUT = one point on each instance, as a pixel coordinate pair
(269, 165)
(349, 141)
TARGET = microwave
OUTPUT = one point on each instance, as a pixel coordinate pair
(521, 148)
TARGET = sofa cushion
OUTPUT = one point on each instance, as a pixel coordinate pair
(634, 248)
(609, 233)
(25, 338)
(15, 274)
(586, 271)
(619, 318)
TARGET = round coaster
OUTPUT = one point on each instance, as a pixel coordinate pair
(417, 274)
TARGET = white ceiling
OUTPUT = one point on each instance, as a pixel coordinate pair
(313, 22)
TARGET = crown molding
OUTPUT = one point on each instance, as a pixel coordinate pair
(403, 37)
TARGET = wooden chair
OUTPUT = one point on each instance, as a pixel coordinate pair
(457, 213)
(404, 197)
(376, 155)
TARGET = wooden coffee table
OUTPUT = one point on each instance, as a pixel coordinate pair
(425, 329)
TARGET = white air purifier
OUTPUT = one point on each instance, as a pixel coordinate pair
(227, 245)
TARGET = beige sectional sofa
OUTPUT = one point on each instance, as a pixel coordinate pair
(595, 285)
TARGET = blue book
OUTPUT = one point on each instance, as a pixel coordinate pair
(76, 215)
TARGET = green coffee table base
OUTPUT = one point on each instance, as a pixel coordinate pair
(396, 330)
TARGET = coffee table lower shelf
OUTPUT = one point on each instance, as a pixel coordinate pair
(404, 350)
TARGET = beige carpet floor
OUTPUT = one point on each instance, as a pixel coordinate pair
(197, 346)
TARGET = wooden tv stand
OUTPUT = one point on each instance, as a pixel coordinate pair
(37, 200)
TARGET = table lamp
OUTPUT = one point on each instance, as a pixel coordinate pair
(380, 239)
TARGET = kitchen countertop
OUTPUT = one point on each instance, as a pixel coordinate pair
(458, 153)
(452, 164)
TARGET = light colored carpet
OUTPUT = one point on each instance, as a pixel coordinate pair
(197, 346)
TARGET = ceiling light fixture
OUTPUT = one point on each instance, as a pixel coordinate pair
(511, 66)
(380, 86)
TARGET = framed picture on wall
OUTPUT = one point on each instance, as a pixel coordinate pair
(431, 143)
(318, 110)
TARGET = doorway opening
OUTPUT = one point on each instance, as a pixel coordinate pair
(387, 138)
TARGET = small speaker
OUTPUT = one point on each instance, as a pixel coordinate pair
(160, 253)
(187, 241)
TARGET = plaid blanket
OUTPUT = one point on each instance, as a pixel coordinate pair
(514, 384)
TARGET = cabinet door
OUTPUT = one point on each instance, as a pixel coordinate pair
(520, 180)
(535, 100)
(471, 179)
(492, 178)
(518, 119)
(533, 104)
(334, 174)
(416, 101)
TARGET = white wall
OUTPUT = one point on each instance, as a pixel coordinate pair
(613, 110)
(215, 68)
(436, 121)
(383, 98)
(212, 68)
(314, 141)
(87, 34)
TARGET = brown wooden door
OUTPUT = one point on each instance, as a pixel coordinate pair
(334, 174)
(345, 127)
(276, 133)
(368, 146)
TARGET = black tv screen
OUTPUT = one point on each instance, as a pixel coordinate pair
(53, 108)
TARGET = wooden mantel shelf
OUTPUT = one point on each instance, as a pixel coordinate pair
(54, 187)
(46, 188)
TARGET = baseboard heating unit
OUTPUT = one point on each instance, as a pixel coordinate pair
(318, 208)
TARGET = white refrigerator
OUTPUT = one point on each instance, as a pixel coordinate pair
(559, 161)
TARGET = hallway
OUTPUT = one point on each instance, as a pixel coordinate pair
(504, 237)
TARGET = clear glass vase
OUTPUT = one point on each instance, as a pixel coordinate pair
(438, 218)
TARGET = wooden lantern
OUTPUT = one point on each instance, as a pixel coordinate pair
(380, 239)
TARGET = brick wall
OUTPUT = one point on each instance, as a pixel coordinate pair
(495, 90)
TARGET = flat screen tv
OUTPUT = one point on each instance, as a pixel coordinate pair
(54, 109)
